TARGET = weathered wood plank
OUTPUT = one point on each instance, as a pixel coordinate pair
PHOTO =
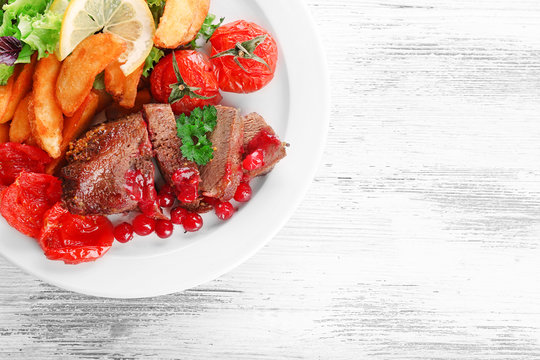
(418, 239)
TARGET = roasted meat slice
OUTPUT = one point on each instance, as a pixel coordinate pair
(110, 170)
(221, 176)
(262, 148)
(181, 174)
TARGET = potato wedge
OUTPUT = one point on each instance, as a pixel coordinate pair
(116, 111)
(20, 130)
(6, 91)
(115, 80)
(180, 23)
(74, 127)
(46, 121)
(21, 87)
(122, 88)
(80, 69)
(130, 88)
(4, 133)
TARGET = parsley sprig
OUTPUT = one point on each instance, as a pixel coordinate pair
(192, 130)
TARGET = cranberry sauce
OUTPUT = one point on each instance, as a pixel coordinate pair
(186, 184)
(257, 149)
(141, 189)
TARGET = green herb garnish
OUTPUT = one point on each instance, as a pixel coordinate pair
(207, 30)
(192, 130)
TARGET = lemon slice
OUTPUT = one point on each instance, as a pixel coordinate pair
(59, 6)
(129, 19)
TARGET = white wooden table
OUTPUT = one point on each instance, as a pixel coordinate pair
(419, 238)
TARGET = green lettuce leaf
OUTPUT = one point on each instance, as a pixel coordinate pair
(32, 23)
(151, 60)
(41, 32)
(156, 8)
(5, 73)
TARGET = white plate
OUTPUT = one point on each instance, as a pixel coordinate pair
(295, 104)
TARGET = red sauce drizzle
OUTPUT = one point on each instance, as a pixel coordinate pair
(141, 189)
(186, 184)
(258, 148)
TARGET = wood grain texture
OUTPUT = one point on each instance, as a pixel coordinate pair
(419, 238)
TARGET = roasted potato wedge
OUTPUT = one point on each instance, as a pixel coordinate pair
(122, 88)
(4, 133)
(80, 69)
(75, 126)
(46, 121)
(6, 91)
(115, 80)
(180, 23)
(130, 88)
(19, 130)
(21, 86)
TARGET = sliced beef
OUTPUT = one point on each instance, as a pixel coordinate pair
(110, 170)
(260, 137)
(181, 174)
(221, 176)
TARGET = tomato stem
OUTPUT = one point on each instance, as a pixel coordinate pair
(245, 50)
(181, 89)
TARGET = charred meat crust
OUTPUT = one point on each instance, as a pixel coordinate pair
(94, 180)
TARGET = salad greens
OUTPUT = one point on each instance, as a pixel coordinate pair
(151, 60)
(30, 22)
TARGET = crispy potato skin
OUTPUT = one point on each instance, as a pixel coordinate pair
(180, 23)
(46, 121)
(21, 87)
(114, 80)
(75, 126)
(122, 88)
(6, 91)
(130, 88)
(80, 69)
(19, 130)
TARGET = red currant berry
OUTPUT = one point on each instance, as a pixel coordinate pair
(254, 161)
(164, 228)
(193, 222)
(178, 215)
(243, 193)
(224, 210)
(143, 225)
(165, 200)
(123, 232)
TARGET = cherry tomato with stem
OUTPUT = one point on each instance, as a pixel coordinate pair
(245, 56)
(187, 80)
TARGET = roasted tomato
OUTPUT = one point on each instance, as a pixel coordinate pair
(24, 203)
(14, 158)
(75, 239)
(186, 81)
(245, 56)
